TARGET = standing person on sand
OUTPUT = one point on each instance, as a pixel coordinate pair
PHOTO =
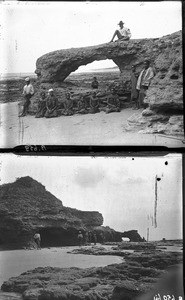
(134, 91)
(37, 239)
(28, 92)
(80, 238)
(143, 82)
(122, 33)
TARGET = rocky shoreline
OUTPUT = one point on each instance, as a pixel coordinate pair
(137, 275)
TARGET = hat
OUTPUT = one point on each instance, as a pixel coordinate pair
(50, 90)
(27, 79)
(121, 22)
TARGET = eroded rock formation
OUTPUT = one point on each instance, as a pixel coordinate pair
(165, 95)
(26, 207)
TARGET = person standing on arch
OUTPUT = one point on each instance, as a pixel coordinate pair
(122, 33)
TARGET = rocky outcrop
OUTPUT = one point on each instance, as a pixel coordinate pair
(133, 235)
(27, 207)
(135, 276)
(164, 97)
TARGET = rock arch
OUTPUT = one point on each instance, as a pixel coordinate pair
(57, 65)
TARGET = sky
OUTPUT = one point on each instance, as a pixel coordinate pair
(31, 29)
(121, 188)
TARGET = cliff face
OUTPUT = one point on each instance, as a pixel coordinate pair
(26, 207)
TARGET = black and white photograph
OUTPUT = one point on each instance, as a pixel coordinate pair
(91, 228)
(91, 73)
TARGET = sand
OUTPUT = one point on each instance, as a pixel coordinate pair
(99, 129)
(15, 262)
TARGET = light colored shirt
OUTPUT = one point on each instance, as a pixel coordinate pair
(28, 89)
(125, 32)
(145, 78)
(37, 236)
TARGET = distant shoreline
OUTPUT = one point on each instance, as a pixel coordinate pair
(11, 76)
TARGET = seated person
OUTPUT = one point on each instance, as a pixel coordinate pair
(94, 104)
(122, 33)
(68, 105)
(82, 107)
(51, 105)
(41, 106)
(94, 83)
(113, 103)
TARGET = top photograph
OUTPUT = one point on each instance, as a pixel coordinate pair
(91, 74)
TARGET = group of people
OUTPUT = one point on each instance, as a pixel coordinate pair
(83, 239)
(48, 104)
(90, 237)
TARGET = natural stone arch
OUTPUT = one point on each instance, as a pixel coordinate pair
(57, 65)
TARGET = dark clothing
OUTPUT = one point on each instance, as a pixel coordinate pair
(94, 105)
(26, 104)
(68, 105)
(51, 106)
(134, 92)
(80, 239)
(113, 104)
(94, 84)
(41, 109)
(81, 109)
(142, 94)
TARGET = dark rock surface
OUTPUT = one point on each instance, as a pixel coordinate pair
(27, 207)
(127, 280)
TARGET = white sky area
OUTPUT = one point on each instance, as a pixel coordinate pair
(31, 29)
(121, 189)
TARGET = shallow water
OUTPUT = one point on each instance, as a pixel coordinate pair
(15, 262)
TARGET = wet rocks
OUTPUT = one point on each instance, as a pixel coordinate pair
(136, 275)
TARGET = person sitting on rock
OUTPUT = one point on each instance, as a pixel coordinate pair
(28, 92)
(37, 240)
(68, 105)
(51, 105)
(113, 103)
(134, 91)
(122, 33)
(41, 106)
(94, 83)
(94, 104)
(144, 81)
(82, 107)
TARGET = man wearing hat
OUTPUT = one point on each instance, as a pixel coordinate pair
(122, 33)
(28, 92)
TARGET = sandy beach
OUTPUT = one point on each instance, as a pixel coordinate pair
(98, 129)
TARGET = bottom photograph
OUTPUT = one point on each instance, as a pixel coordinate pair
(91, 228)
